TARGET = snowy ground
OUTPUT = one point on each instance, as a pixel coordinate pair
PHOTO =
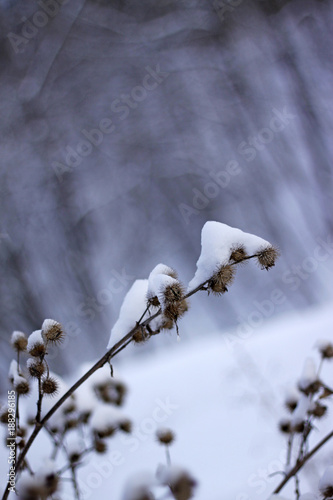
(223, 398)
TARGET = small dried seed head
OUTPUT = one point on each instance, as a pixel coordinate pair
(165, 436)
(36, 368)
(318, 410)
(238, 253)
(167, 323)
(311, 388)
(36, 346)
(298, 428)
(140, 335)
(74, 457)
(50, 386)
(107, 432)
(51, 483)
(4, 415)
(52, 331)
(71, 423)
(267, 257)
(285, 426)
(100, 445)
(126, 426)
(326, 350)
(327, 493)
(21, 431)
(291, 402)
(173, 292)
(153, 301)
(221, 279)
(19, 341)
(22, 386)
(182, 487)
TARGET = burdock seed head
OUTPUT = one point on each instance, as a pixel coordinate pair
(36, 346)
(19, 341)
(165, 436)
(238, 253)
(52, 331)
(50, 386)
(267, 257)
(223, 277)
(35, 367)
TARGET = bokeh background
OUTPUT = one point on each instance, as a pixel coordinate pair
(197, 91)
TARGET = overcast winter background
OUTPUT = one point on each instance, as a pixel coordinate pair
(126, 125)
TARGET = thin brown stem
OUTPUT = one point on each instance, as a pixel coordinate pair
(39, 402)
(299, 464)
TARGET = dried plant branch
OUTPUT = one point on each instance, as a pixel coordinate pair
(106, 358)
(300, 463)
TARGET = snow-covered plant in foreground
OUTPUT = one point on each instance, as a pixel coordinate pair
(78, 423)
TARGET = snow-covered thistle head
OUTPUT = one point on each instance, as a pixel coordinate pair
(35, 367)
(36, 345)
(52, 331)
(267, 257)
(18, 381)
(238, 253)
(223, 278)
(19, 341)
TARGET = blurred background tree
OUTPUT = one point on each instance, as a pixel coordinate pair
(75, 235)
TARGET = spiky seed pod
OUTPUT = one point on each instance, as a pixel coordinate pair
(36, 346)
(173, 292)
(22, 386)
(126, 426)
(267, 257)
(100, 446)
(298, 428)
(74, 457)
(285, 426)
(19, 341)
(311, 388)
(182, 487)
(326, 350)
(107, 432)
(50, 386)
(140, 335)
(167, 324)
(291, 403)
(4, 415)
(71, 423)
(328, 493)
(36, 368)
(51, 484)
(318, 410)
(21, 443)
(21, 432)
(221, 279)
(165, 436)
(153, 301)
(52, 331)
(238, 253)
